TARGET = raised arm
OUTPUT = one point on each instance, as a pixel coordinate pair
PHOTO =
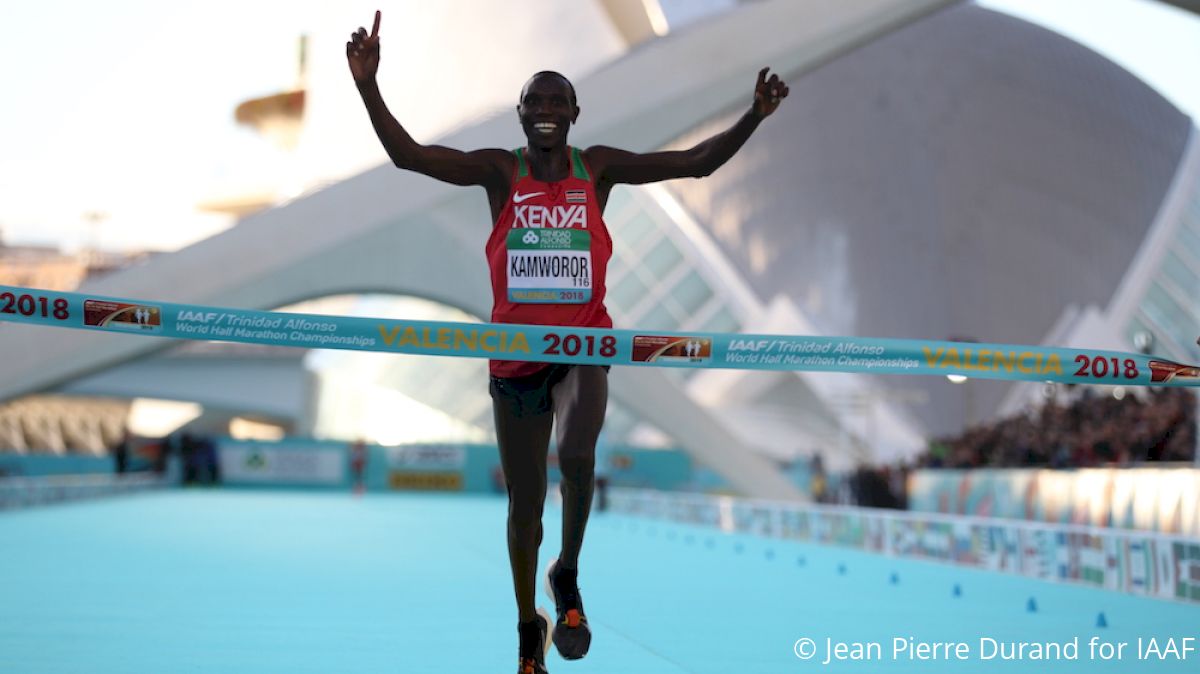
(489, 168)
(619, 166)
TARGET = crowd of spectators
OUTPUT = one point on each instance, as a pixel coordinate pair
(1089, 430)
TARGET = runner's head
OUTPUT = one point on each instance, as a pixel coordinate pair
(547, 109)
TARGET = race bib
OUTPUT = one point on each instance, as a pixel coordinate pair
(549, 266)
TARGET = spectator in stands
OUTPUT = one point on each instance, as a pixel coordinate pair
(601, 493)
(187, 452)
(209, 460)
(818, 483)
(358, 465)
(121, 452)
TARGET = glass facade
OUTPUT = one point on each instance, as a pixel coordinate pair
(1170, 308)
(656, 279)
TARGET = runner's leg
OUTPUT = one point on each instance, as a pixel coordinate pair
(523, 441)
(580, 400)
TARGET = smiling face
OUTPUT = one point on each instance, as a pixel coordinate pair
(547, 109)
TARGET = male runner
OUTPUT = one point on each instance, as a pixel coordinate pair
(548, 253)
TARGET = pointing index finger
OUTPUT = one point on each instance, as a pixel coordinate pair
(375, 28)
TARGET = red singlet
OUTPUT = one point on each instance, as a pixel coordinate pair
(548, 254)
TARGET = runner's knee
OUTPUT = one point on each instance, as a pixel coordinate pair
(526, 504)
(578, 467)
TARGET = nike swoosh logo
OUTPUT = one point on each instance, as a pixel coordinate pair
(518, 197)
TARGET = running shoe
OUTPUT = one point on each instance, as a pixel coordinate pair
(571, 636)
(535, 643)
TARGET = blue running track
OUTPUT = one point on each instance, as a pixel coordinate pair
(225, 582)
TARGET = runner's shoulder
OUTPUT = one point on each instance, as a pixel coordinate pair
(599, 157)
(496, 157)
(502, 162)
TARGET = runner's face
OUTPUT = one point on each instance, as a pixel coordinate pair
(546, 111)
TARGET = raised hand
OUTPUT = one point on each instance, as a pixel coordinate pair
(767, 93)
(362, 52)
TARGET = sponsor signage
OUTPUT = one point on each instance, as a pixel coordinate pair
(253, 463)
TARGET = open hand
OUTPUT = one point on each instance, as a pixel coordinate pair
(362, 51)
(768, 93)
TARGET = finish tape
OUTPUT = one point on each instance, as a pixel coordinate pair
(591, 346)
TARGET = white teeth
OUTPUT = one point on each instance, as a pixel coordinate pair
(545, 127)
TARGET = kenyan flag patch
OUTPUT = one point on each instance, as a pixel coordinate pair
(576, 196)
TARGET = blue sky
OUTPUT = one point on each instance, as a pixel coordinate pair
(125, 107)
